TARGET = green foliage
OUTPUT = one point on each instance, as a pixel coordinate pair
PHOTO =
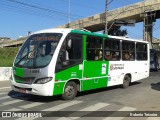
(116, 31)
(7, 56)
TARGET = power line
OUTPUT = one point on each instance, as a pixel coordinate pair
(24, 10)
(110, 2)
(42, 8)
(49, 7)
(82, 5)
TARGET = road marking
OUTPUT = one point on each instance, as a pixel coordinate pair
(127, 109)
(3, 93)
(14, 109)
(12, 96)
(31, 105)
(4, 97)
(120, 118)
(56, 108)
(95, 107)
(62, 106)
(153, 118)
(87, 111)
(4, 88)
(10, 102)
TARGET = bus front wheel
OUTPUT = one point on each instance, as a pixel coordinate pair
(126, 81)
(70, 91)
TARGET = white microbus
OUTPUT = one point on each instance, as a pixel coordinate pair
(66, 61)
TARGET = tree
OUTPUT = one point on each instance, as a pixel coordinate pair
(116, 31)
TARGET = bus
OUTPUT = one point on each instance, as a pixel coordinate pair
(66, 61)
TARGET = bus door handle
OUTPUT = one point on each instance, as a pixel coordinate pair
(122, 73)
(135, 72)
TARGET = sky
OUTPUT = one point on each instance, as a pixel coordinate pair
(17, 17)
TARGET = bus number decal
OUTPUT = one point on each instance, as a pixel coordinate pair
(34, 71)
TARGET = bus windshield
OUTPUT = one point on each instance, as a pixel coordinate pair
(38, 50)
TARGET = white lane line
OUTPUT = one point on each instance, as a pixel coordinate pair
(14, 109)
(5, 97)
(87, 110)
(95, 107)
(10, 102)
(120, 118)
(56, 108)
(5, 88)
(3, 93)
(127, 109)
(153, 118)
(62, 106)
(31, 105)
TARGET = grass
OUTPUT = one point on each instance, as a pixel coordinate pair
(7, 56)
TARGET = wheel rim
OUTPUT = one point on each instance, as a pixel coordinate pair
(69, 91)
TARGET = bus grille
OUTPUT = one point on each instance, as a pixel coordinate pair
(29, 89)
(28, 80)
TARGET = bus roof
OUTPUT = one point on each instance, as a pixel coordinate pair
(88, 33)
(54, 30)
(127, 39)
(68, 30)
(83, 32)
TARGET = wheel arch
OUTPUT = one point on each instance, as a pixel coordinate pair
(130, 75)
(77, 81)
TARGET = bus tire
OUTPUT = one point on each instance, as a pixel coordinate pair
(126, 81)
(70, 91)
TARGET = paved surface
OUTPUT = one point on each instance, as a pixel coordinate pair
(140, 96)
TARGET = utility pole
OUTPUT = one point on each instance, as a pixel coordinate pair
(106, 10)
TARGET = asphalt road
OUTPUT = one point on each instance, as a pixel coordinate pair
(143, 95)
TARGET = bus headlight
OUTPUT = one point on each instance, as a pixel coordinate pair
(43, 80)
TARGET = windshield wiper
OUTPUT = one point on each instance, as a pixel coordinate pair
(30, 56)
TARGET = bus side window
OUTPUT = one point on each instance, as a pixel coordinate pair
(94, 48)
(141, 51)
(112, 50)
(128, 50)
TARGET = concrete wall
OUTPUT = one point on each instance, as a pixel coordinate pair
(5, 73)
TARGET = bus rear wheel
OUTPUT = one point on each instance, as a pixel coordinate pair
(70, 91)
(126, 81)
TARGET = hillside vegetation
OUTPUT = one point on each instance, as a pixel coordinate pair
(7, 56)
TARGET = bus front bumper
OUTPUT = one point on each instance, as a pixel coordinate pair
(35, 89)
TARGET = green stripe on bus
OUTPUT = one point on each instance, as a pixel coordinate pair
(88, 33)
(20, 72)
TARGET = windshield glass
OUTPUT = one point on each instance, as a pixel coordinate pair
(38, 50)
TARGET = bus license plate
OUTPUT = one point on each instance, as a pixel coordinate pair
(22, 91)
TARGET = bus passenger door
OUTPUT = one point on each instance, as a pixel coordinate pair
(94, 68)
(94, 75)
